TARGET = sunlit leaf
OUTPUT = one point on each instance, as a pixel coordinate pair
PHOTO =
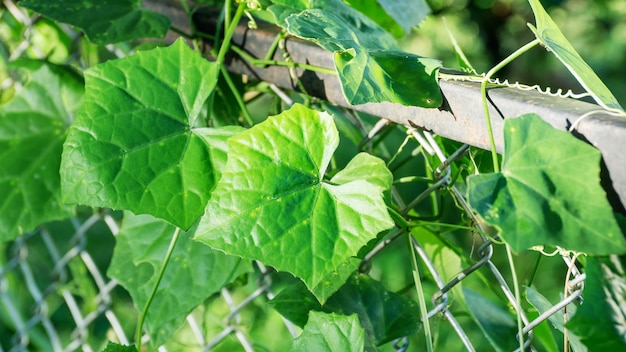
(548, 192)
(330, 332)
(600, 321)
(194, 272)
(136, 143)
(273, 205)
(104, 21)
(553, 39)
(33, 127)
(498, 326)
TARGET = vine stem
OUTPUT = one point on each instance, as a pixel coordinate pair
(146, 307)
(230, 31)
(483, 92)
(518, 301)
(420, 296)
(290, 64)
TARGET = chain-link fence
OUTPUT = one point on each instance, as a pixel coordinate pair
(55, 294)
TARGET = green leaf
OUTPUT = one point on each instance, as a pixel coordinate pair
(600, 321)
(335, 279)
(104, 21)
(114, 347)
(384, 315)
(33, 127)
(407, 13)
(371, 66)
(373, 10)
(553, 39)
(135, 144)
(330, 332)
(272, 204)
(548, 192)
(497, 325)
(542, 304)
(194, 272)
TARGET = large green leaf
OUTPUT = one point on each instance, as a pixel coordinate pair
(104, 21)
(330, 332)
(407, 13)
(193, 274)
(548, 192)
(371, 66)
(33, 127)
(273, 205)
(135, 144)
(552, 38)
(498, 326)
(601, 321)
(384, 315)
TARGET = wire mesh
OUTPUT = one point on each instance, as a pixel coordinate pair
(55, 294)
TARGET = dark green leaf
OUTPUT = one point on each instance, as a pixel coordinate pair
(330, 332)
(548, 192)
(193, 274)
(601, 321)
(135, 144)
(33, 127)
(497, 325)
(272, 204)
(104, 21)
(114, 347)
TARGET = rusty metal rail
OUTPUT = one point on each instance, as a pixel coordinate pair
(461, 117)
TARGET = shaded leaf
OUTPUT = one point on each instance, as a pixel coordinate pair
(33, 127)
(600, 321)
(384, 315)
(194, 272)
(134, 144)
(104, 21)
(552, 38)
(497, 325)
(407, 13)
(548, 192)
(335, 279)
(330, 332)
(272, 204)
(114, 347)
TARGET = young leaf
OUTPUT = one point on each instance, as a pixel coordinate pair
(194, 272)
(371, 66)
(548, 192)
(331, 332)
(384, 315)
(601, 321)
(135, 145)
(552, 38)
(272, 204)
(104, 21)
(33, 127)
(497, 325)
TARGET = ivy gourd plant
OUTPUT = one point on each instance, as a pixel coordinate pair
(204, 195)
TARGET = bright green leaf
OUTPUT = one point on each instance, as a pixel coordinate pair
(374, 10)
(334, 280)
(600, 321)
(553, 39)
(497, 325)
(330, 332)
(193, 274)
(407, 13)
(33, 127)
(384, 315)
(548, 192)
(104, 21)
(542, 304)
(272, 204)
(134, 144)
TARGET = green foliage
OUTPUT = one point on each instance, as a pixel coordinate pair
(548, 192)
(33, 127)
(137, 141)
(497, 325)
(272, 198)
(194, 273)
(114, 347)
(331, 332)
(104, 21)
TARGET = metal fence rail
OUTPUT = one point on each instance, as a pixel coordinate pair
(55, 295)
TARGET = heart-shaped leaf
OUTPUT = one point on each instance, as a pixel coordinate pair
(334, 332)
(548, 192)
(135, 144)
(552, 38)
(273, 205)
(104, 21)
(33, 127)
(194, 272)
